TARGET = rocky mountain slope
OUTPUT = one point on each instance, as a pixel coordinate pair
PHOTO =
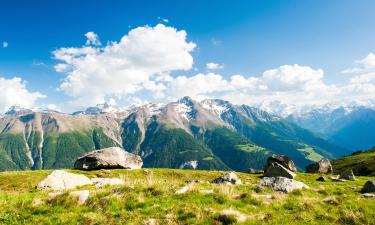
(212, 134)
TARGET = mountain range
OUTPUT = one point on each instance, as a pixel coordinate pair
(209, 134)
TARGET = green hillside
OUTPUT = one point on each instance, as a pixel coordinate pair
(149, 197)
(362, 163)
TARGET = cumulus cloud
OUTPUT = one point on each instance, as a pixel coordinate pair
(364, 65)
(92, 39)
(119, 69)
(14, 92)
(214, 66)
(5, 44)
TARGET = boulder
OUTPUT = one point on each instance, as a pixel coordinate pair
(108, 158)
(81, 195)
(282, 160)
(62, 180)
(282, 184)
(347, 175)
(101, 182)
(229, 178)
(324, 166)
(321, 179)
(369, 187)
(277, 170)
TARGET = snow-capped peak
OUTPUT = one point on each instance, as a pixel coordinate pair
(17, 110)
(100, 108)
(216, 106)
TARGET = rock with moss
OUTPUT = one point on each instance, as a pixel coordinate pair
(277, 170)
(323, 166)
(108, 158)
(229, 178)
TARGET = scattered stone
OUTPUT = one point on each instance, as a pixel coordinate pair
(282, 184)
(101, 182)
(255, 171)
(321, 179)
(236, 214)
(183, 190)
(62, 180)
(347, 175)
(369, 187)
(368, 195)
(282, 160)
(324, 166)
(81, 195)
(229, 178)
(108, 158)
(277, 170)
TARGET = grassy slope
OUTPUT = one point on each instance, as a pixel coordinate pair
(362, 163)
(59, 150)
(150, 194)
(235, 150)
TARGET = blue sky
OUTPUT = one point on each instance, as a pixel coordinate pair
(246, 37)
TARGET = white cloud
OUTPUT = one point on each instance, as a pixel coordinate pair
(5, 44)
(216, 42)
(120, 69)
(214, 66)
(366, 64)
(14, 92)
(92, 39)
(165, 20)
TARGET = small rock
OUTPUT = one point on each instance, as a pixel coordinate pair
(277, 170)
(368, 195)
(282, 160)
(37, 202)
(101, 182)
(209, 191)
(321, 179)
(331, 201)
(282, 184)
(255, 171)
(347, 175)
(81, 195)
(108, 158)
(62, 180)
(229, 178)
(323, 166)
(193, 181)
(369, 187)
(183, 190)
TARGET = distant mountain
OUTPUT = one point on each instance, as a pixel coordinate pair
(351, 127)
(212, 134)
(362, 163)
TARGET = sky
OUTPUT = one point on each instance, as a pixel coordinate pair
(68, 55)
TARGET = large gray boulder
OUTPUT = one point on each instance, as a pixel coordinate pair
(283, 160)
(108, 158)
(277, 170)
(347, 175)
(282, 184)
(62, 180)
(229, 178)
(369, 186)
(324, 166)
